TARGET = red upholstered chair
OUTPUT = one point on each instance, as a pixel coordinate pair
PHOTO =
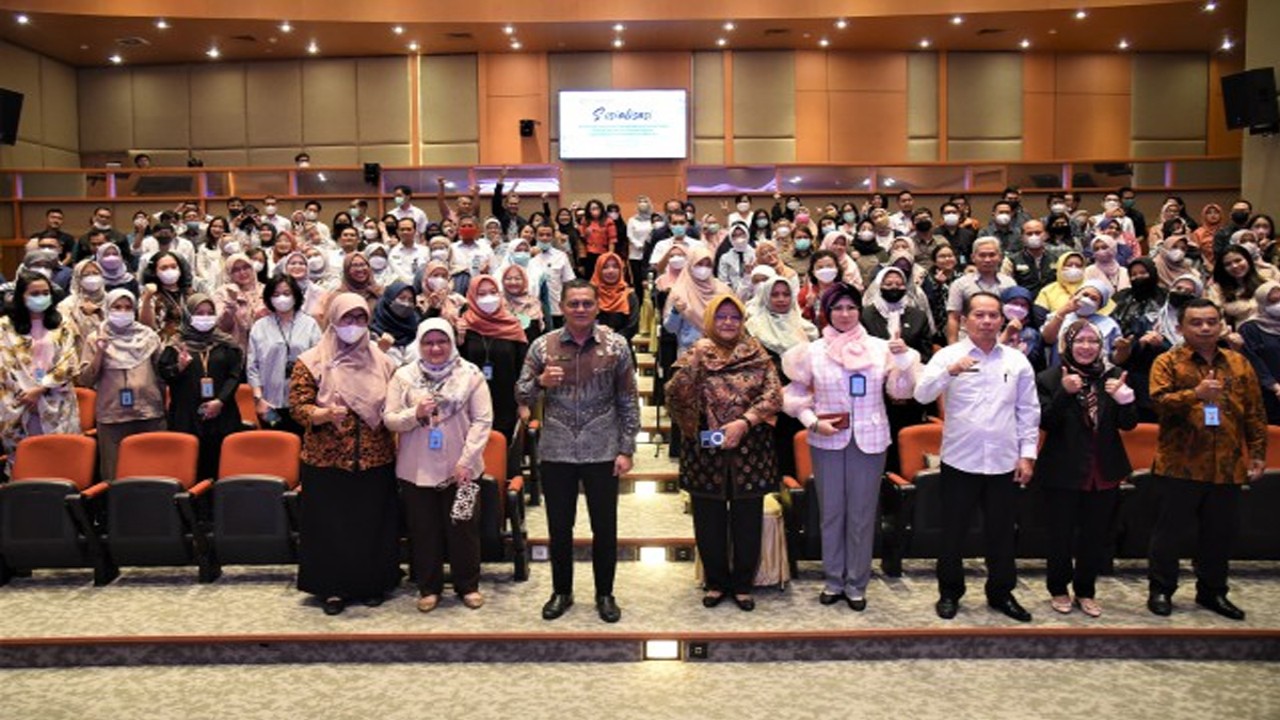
(255, 499)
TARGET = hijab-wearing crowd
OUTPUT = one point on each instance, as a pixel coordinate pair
(848, 320)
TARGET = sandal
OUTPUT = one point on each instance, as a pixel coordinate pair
(427, 603)
(1089, 607)
(473, 600)
(1061, 603)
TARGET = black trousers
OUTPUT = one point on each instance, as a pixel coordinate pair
(722, 527)
(1082, 519)
(433, 534)
(560, 483)
(1215, 509)
(962, 492)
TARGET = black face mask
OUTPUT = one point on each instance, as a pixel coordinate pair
(1239, 217)
(1059, 230)
(1179, 299)
(866, 247)
(391, 228)
(893, 295)
(1143, 287)
(924, 225)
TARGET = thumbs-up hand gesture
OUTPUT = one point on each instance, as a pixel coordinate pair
(1114, 384)
(1209, 388)
(184, 358)
(896, 345)
(1071, 382)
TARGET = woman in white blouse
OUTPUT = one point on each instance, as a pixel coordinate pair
(275, 342)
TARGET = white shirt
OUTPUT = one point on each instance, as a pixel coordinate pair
(556, 269)
(992, 414)
(409, 210)
(639, 228)
(282, 223)
(901, 222)
(407, 259)
(180, 246)
(664, 246)
(472, 258)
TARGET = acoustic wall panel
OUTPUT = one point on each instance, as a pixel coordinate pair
(274, 112)
(218, 118)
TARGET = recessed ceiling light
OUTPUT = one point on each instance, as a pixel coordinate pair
(824, 42)
(22, 19)
(508, 30)
(1227, 44)
(213, 53)
(842, 24)
(161, 24)
(1024, 44)
(957, 19)
(617, 42)
(398, 29)
(924, 43)
(285, 27)
(515, 45)
(413, 46)
(1123, 44)
(729, 26)
(1210, 6)
(313, 48)
(116, 59)
(721, 42)
(619, 27)
(1081, 14)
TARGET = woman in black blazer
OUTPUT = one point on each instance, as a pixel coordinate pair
(1083, 407)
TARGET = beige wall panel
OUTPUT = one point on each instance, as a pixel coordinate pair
(1093, 135)
(451, 154)
(382, 100)
(275, 156)
(234, 157)
(60, 117)
(922, 95)
(161, 107)
(59, 158)
(385, 154)
(883, 71)
(813, 125)
(20, 72)
(449, 113)
(274, 95)
(1170, 96)
(984, 92)
(708, 95)
(24, 155)
(1166, 148)
(218, 106)
(764, 92)
(868, 126)
(328, 102)
(922, 149)
(963, 150)
(574, 71)
(811, 70)
(708, 151)
(764, 150)
(583, 179)
(1093, 74)
(106, 109)
(332, 155)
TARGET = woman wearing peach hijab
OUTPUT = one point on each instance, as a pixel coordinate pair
(686, 304)
(619, 304)
(491, 337)
(1210, 223)
(350, 522)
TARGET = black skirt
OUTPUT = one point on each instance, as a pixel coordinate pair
(349, 532)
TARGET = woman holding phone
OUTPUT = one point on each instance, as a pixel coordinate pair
(837, 389)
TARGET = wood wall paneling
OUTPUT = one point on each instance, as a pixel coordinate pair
(515, 88)
(645, 71)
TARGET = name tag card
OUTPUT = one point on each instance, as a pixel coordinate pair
(1211, 416)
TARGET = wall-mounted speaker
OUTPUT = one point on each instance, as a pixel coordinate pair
(372, 173)
(1249, 99)
(10, 113)
(526, 127)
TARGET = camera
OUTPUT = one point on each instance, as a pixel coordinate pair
(712, 438)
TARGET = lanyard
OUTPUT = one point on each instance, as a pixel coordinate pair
(288, 339)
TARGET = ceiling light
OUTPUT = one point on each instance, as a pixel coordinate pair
(285, 27)
(617, 42)
(842, 24)
(398, 29)
(116, 59)
(619, 27)
(508, 30)
(721, 42)
(22, 19)
(313, 48)
(1210, 6)
(824, 42)
(957, 19)
(161, 24)
(515, 45)
(213, 53)
(924, 43)
(1227, 44)
(1081, 14)
(729, 26)
(1123, 44)
(1024, 44)
(413, 46)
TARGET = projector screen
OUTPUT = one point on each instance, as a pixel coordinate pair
(624, 124)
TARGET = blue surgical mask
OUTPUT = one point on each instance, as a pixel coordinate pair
(678, 230)
(850, 216)
(803, 244)
(544, 246)
(520, 258)
(39, 303)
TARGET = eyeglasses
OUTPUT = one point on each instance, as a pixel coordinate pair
(580, 304)
(731, 319)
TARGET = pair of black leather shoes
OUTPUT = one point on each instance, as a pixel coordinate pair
(1162, 604)
(828, 598)
(560, 603)
(948, 607)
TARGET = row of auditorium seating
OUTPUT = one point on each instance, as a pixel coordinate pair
(911, 509)
(158, 513)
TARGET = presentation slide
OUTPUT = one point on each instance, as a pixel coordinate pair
(624, 124)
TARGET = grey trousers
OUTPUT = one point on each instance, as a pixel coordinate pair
(110, 435)
(848, 491)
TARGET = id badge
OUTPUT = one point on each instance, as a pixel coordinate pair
(488, 372)
(40, 373)
(1211, 416)
(435, 439)
(857, 385)
(206, 388)
(126, 397)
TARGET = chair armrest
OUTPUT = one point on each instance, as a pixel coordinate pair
(95, 490)
(897, 479)
(91, 432)
(934, 420)
(200, 488)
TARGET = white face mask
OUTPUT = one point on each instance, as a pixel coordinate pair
(1072, 274)
(1110, 205)
(678, 261)
(351, 334)
(782, 231)
(1035, 241)
(377, 262)
(203, 323)
(1175, 255)
(231, 248)
(866, 235)
(169, 276)
(826, 274)
(310, 215)
(488, 303)
(744, 208)
(257, 266)
(111, 262)
(1057, 208)
(440, 255)
(315, 263)
(1086, 306)
(1273, 310)
(370, 233)
(1015, 312)
(91, 283)
(950, 219)
(701, 272)
(282, 303)
(271, 209)
(437, 283)
(1003, 218)
(739, 243)
(120, 318)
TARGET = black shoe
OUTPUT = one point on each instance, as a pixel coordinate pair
(857, 604)
(557, 605)
(827, 598)
(334, 605)
(947, 607)
(1221, 605)
(372, 601)
(745, 603)
(1010, 607)
(608, 609)
(1160, 604)
(710, 600)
